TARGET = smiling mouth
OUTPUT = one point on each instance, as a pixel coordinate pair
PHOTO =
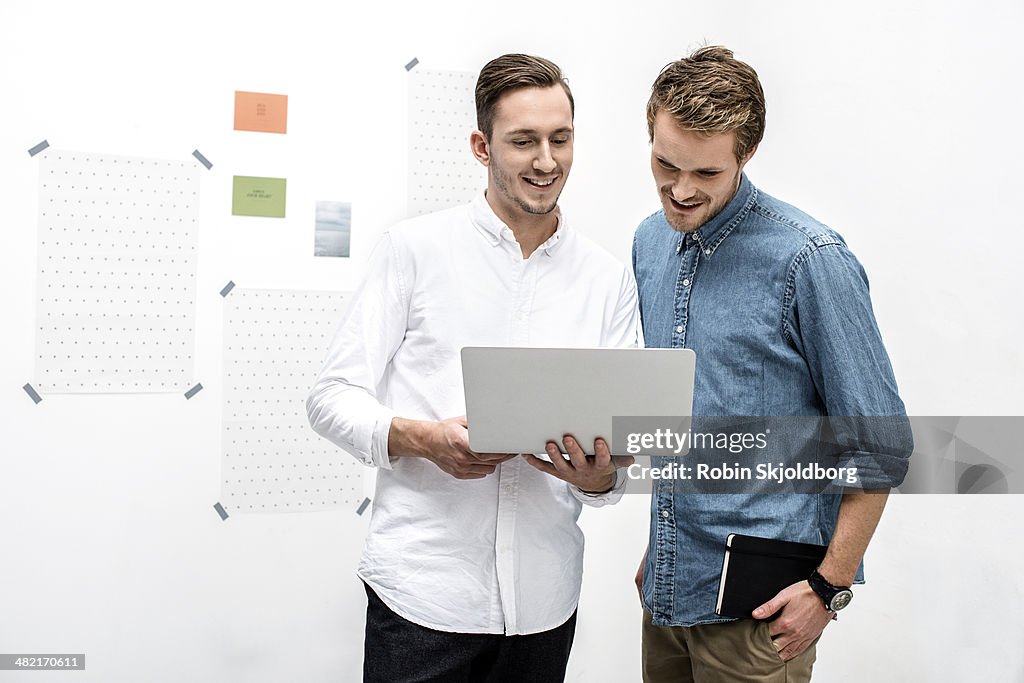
(536, 182)
(684, 206)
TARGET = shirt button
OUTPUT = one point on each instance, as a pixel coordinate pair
(679, 329)
(664, 513)
(686, 283)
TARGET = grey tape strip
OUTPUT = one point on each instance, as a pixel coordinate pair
(227, 288)
(362, 506)
(30, 390)
(203, 160)
(193, 391)
(38, 148)
(412, 64)
(220, 511)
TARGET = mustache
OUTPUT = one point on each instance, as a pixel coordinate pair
(694, 199)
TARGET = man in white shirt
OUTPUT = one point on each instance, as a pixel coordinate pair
(473, 561)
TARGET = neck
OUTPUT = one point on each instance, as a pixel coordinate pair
(530, 230)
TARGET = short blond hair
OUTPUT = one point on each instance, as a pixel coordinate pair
(711, 92)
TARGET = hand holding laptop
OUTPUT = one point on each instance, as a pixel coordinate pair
(445, 443)
(591, 474)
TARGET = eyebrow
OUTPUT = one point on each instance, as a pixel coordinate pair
(705, 169)
(531, 131)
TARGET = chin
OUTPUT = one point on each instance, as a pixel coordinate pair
(538, 209)
(674, 223)
(689, 226)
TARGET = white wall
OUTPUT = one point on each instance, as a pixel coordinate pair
(896, 123)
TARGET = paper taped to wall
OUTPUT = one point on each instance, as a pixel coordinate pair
(116, 275)
(261, 112)
(274, 344)
(442, 114)
(254, 196)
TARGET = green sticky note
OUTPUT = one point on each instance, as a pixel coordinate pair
(252, 196)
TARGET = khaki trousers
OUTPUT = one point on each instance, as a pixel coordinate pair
(731, 652)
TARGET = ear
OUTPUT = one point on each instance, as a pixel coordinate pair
(748, 155)
(481, 149)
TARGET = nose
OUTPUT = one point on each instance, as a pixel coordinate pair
(545, 161)
(681, 188)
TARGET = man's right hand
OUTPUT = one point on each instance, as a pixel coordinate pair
(444, 443)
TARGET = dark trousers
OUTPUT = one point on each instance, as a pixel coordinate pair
(399, 651)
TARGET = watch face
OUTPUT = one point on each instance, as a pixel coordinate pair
(841, 600)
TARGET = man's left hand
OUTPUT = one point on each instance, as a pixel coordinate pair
(803, 617)
(594, 474)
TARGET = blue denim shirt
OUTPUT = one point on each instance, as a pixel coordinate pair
(778, 312)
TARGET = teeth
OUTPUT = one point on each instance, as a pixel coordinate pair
(539, 183)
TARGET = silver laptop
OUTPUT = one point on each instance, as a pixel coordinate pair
(518, 399)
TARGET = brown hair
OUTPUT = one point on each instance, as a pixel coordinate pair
(712, 92)
(512, 72)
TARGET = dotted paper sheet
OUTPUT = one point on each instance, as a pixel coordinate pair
(275, 342)
(442, 114)
(117, 266)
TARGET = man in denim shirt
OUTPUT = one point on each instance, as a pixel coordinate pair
(778, 312)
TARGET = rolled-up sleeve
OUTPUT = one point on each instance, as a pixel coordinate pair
(344, 405)
(601, 499)
(832, 324)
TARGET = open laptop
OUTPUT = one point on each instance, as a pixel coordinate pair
(518, 399)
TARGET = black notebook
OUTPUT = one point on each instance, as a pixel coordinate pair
(756, 569)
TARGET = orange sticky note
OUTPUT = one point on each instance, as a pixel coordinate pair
(261, 112)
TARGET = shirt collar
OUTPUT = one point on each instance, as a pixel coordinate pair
(495, 230)
(710, 235)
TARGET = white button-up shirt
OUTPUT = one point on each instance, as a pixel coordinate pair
(502, 554)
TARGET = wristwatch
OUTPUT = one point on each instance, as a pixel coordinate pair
(834, 597)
